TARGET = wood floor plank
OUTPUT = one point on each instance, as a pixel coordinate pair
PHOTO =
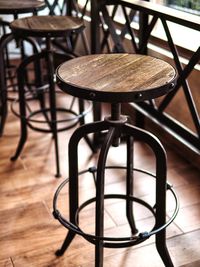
(143, 256)
(27, 195)
(188, 195)
(46, 257)
(188, 218)
(184, 175)
(7, 167)
(185, 248)
(6, 263)
(16, 179)
(147, 256)
(192, 264)
(25, 228)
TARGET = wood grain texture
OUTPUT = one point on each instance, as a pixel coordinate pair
(193, 264)
(148, 257)
(23, 228)
(20, 6)
(53, 25)
(116, 74)
(6, 263)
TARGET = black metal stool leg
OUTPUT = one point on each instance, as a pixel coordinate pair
(82, 122)
(162, 248)
(73, 175)
(52, 101)
(129, 185)
(3, 93)
(41, 99)
(22, 107)
(70, 236)
(161, 184)
(99, 231)
(73, 189)
(39, 83)
(3, 90)
(4, 109)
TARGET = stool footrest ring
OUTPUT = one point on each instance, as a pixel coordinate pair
(112, 242)
(73, 119)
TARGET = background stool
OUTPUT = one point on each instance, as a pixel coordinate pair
(14, 8)
(48, 27)
(115, 79)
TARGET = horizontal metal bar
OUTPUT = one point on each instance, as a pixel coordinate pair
(171, 125)
(176, 16)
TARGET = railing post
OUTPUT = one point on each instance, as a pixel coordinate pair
(95, 27)
(95, 49)
(143, 23)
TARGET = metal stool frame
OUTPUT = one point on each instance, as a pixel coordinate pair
(116, 125)
(52, 121)
(4, 41)
(48, 54)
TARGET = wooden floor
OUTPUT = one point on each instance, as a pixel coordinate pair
(29, 235)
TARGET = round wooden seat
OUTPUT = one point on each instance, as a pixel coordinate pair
(116, 77)
(46, 26)
(20, 6)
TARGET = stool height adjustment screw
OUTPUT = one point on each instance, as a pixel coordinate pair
(92, 95)
(138, 96)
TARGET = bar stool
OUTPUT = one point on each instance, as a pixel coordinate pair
(48, 27)
(14, 8)
(116, 79)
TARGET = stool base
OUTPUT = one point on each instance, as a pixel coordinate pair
(49, 113)
(115, 129)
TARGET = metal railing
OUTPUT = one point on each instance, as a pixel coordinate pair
(115, 42)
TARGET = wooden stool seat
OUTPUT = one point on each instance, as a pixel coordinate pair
(20, 6)
(46, 26)
(116, 77)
